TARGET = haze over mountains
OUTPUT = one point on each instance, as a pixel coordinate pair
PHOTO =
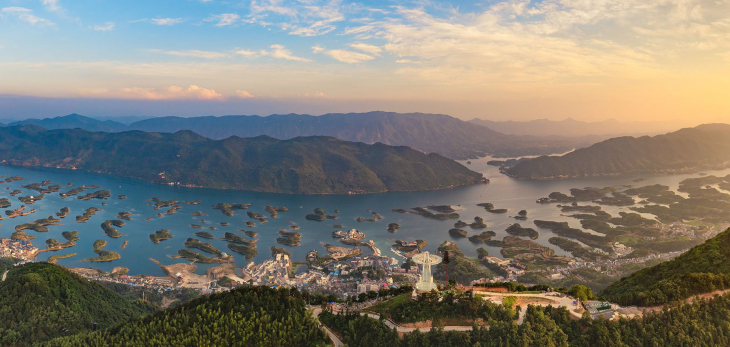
(575, 128)
(430, 133)
(687, 150)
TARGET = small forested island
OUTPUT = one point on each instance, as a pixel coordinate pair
(393, 227)
(314, 165)
(227, 209)
(478, 223)
(103, 255)
(518, 230)
(482, 237)
(274, 211)
(101, 194)
(291, 238)
(490, 208)
(110, 230)
(203, 246)
(424, 211)
(457, 233)
(87, 214)
(205, 235)
(320, 215)
(161, 235)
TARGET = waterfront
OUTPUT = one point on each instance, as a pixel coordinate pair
(503, 192)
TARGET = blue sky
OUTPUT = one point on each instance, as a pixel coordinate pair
(512, 59)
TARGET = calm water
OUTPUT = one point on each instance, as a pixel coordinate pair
(503, 192)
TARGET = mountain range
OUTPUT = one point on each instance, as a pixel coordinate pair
(575, 128)
(430, 133)
(687, 150)
(305, 165)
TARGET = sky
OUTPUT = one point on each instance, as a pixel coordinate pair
(591, 60)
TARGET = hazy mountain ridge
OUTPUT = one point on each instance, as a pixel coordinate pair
(687, 150)
(431, 133)
(575, 128)
(74, 121)
(308, 165)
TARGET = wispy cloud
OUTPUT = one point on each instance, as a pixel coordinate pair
(51, 5)
(367, 48)
(348, 56)
(26, 15)
(171, 93)
(108, 26)
(166, 21)
(276, 51)
(195, 54)
(243, 94)
(224, 19)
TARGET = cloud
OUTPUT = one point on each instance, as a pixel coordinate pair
(367, 48)
(280, 52)
(276, 51)
(108, 26)
(26, 15)
(247, 53)
(172, 93)
(243, 94)
(51, 5)
(195, 54)
(317, 49)
(302, 18)
(348, 56)
(224, 19)
(166, 21)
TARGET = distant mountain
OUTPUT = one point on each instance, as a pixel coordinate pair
(74, 121)
(40, 301)
(574, 128)
(430, 133)
(308, 165)
(702, 269)
(687, 150)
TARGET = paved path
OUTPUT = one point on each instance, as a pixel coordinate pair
(335, 340)
(5, 275)
(564, 301)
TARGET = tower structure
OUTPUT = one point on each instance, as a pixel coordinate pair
(426, 260)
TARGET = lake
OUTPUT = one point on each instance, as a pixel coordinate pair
(503, 192)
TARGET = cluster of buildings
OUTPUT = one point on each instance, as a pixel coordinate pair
(160, 284)
(23, 250)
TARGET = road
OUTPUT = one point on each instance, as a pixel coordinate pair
(400, 329)
(335, 340)
(5, 275)
(563, 300)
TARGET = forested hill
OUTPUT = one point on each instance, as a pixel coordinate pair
(257, 316)
(308, 165)
(702, 269)
(41, 301)
(703, 147)
(74, 121)
(431, 133)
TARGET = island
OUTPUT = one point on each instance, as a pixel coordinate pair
(161, 235)
(103, 255)
(360, 168)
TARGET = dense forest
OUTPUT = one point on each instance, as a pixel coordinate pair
(255, 316)
(702, 323)
(703, 147)
(307, 165)
(39, 301)
(702, 269)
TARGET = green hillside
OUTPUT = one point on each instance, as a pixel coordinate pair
(687, 150)
(39, 301)
(308, 165)
(257, 316)
(702, 269)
